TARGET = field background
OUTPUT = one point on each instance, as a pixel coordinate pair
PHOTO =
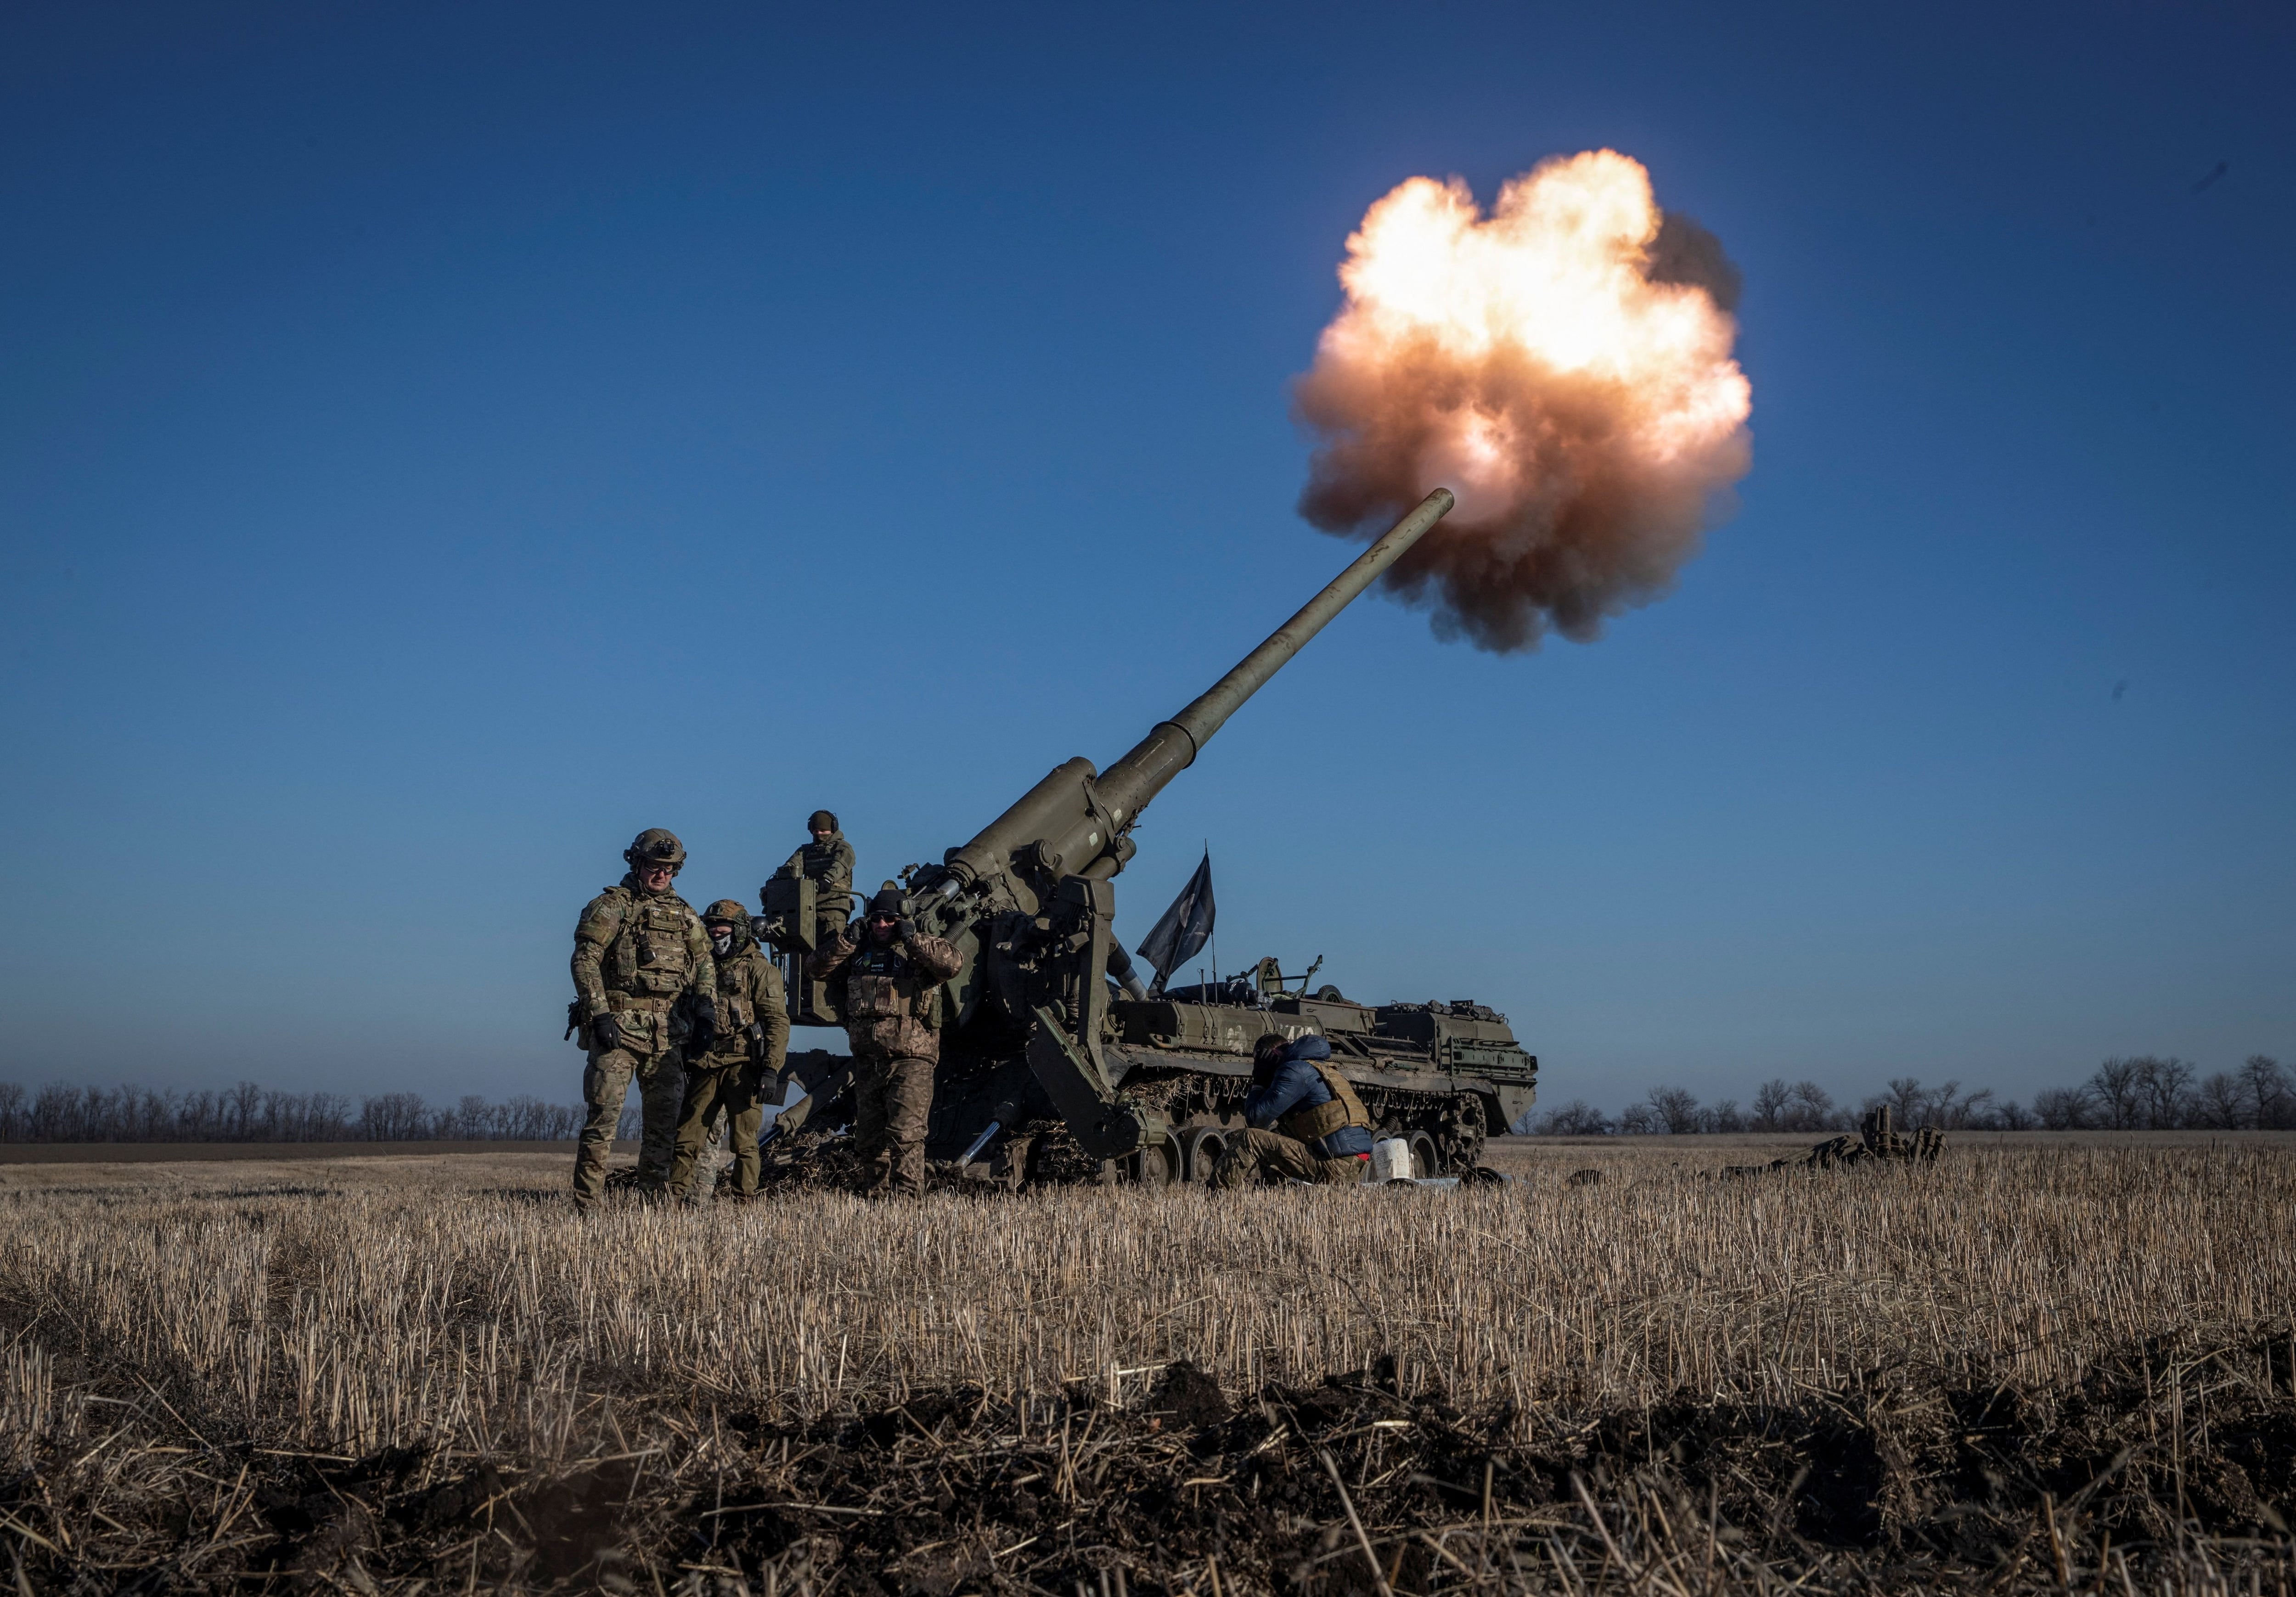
(174, 1331)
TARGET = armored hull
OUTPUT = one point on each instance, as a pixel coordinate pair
(1441, 1075)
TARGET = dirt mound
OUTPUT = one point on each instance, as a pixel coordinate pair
(2174, 1457)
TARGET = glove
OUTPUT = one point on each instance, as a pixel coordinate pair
(704, 1031)
(906, 931)
(605, 1032)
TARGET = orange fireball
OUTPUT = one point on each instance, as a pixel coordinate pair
(1558, 365)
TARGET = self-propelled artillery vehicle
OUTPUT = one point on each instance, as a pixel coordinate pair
(1037, 1033)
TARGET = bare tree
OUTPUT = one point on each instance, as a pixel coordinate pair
(1675, 1110)
(62, 1113)
(2271, 1095)
(2219, 1103)
(2117, 1092)
(1576, 1119)
(2164, 1086)
(245, 1101)
(1771, 1102)
(2009, 1115)
(391, 1117)
(1975, 1109)
(2064, 1108)
(1725, 1115)
(1906, 1098)
(1812, 1109)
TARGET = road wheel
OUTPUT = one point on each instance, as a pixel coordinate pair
(1151, 1165)
(1424, 1161)
(1201, 1148)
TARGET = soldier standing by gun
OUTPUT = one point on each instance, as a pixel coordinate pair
(827, 861)
(892, 1013)
(807, 903)
(638, 949)
(752, 1042)
(1307, 1123)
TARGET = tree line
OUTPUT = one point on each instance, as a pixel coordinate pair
(2144, 1094)
(249, 1113)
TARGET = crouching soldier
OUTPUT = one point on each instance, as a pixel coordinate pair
(1307, 1124)
(892, 1015)
(638, 949)
(751, 1045)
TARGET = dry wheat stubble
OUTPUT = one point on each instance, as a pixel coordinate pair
(344, 1373)
(351, 1306)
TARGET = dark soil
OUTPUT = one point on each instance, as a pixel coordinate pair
(2174, 1456)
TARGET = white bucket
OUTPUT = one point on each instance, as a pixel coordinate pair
(1391, 1161)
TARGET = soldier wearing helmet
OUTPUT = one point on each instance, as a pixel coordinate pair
(892, 977)
(752, 1042)
(645, 985)
(828, 860)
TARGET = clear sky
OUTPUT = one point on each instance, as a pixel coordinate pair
(437, 441)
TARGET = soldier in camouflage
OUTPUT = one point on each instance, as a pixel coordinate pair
(828, 860)
(752, 1043)
(892, 1013)
(645, 983)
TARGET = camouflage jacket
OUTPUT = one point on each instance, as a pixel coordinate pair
(749, 993)
(635, 952)
(892, 996)
(829, 864)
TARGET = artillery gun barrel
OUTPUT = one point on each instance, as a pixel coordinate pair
(1128, 785)
(1077, 821)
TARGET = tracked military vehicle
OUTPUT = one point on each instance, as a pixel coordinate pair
(1043, 1052)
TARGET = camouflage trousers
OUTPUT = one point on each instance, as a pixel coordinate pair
(1255, 1156)
(892, 1101)
(605, 1083)
(739, 1090)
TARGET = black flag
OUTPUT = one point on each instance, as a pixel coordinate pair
(1186, 927)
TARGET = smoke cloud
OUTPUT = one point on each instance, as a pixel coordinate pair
(1564, 365)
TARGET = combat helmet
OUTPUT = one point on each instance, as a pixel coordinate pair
(655, 846)
(726, 909)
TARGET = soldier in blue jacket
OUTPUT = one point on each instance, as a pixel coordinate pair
(1307, 1124)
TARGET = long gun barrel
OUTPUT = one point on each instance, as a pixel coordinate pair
(1077, 821)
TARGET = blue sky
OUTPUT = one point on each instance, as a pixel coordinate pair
(436, 442)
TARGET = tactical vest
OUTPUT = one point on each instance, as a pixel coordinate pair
(1313, 1122)
(880, 986)
(832, 877)
(735, 1012)
(649, 957)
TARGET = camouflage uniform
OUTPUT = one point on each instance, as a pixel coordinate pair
(1259, 1155)
(892, 1018)
(635, 954)
(829, 864)
(752, 1043)
(1321, 1131)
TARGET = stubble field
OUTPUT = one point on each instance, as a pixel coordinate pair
(2042, 1364)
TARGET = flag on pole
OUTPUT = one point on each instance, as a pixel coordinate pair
(1186, 927)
